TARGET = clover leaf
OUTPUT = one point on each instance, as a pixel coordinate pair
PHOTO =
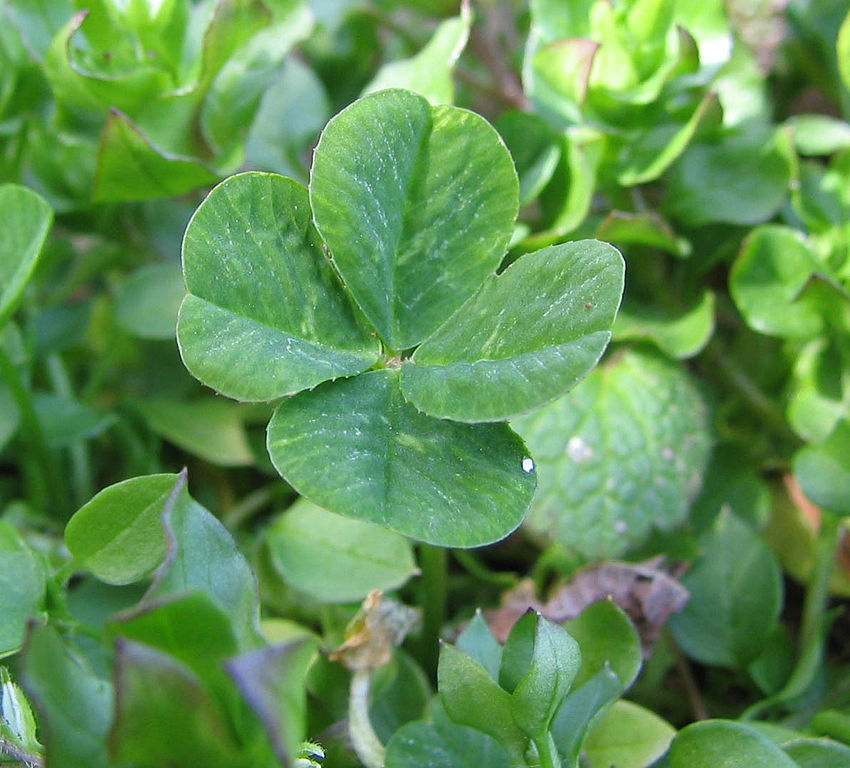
(372, 303)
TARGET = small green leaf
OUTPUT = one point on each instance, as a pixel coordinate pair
(524, 339)
(606, 638)
(131, 167)
(279, 322)
(74, 706)
(27, 220)
(212, 429)
(736, 596)
(477, 642)
(817, 753)
(272, 681)
(195, 540)
(553, 667)
(472, 698)
(742, 179)
(191, 628)
(400, 693)
(417, 205)
(819, 395)
(154, 693)
(680, 335)
(535, 149)
(621, 454)
(65, 421)
(768, 282)
(22, 585)
(627, 736)
(445, 483)
(656, 149)
(518, 651)
(645, 228)
(725, 744)
(442, 744)
(818, 135)
(429, 72)
(823, 471)
(580, 709)
(147, 301)
(118, 535)
(293, 111)
(336, 559)
(17, 722)
(234, 96)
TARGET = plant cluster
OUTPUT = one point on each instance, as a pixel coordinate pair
(505, 348)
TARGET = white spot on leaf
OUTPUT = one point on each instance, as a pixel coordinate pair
(578, 450)
(528, 465)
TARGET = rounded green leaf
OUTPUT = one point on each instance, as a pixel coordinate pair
(742, 179)
(679, 335)
(442, 744)
(417, 204)
(736, 596)
(265, 316)
(27, 218)
(606, 639)
(73, 704)
(212, 429)
(358, 448)
(154, 694)
(818, 753)
(621, 454)
(147, 301)
(356, 557)
(524, 339)
(430, 71)
(823, 471)
(118, 535)
(22, 583)
(131, 167)
(768, 282)
(627, 736)
(725, 744)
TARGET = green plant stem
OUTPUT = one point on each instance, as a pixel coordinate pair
(547, 752)
(82, 478)
(433, 562)
(249, 505)
(44, 488)
(817, 593)
(475, 568)
(365, 741)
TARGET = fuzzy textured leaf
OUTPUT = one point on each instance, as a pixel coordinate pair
(621, 454)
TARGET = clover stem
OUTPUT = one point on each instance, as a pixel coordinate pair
(434, 565)
(547, 752)
(365, 741)
(817, 593)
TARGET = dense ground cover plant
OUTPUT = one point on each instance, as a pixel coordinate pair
(409, 293)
